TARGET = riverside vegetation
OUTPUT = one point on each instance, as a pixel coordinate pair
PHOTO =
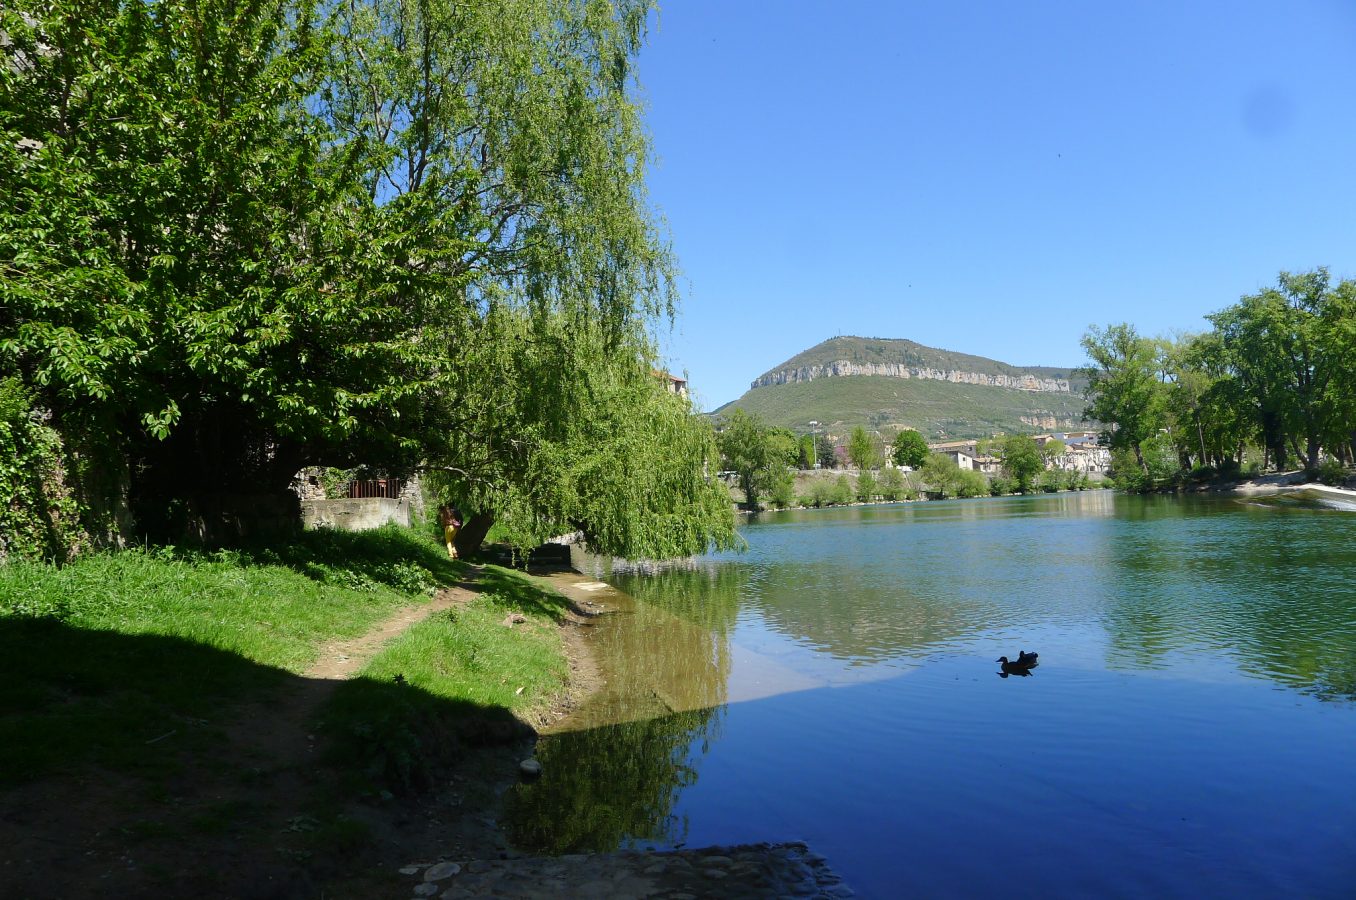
(245, 238)
(775, 464)
(1271, 385)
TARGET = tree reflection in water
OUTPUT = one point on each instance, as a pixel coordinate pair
(613, 770)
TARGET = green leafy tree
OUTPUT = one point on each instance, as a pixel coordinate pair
(863, 449)
(1291, 349)
(751, 451)
(825, 452)
(620, 459)
(805, 451)
(244, 237)
(842, 492)
(970, 483)
(941, 473)
(1124, 389)
(1022, 461)
(38, 511)
(910, 449)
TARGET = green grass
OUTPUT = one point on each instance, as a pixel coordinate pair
(103, 656)
(455, 677)
(936, 408)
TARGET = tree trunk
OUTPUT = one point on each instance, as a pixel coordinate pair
(1295, 448)
(472, 533)
(1139, 458)
(1311, 457)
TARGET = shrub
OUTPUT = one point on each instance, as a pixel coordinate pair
(972, 484)
(842, 492)
(891, 484)
(1331, 472)
(866, 487)
(783, 494)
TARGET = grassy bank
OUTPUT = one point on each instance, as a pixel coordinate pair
(108, 654)
(462, 676)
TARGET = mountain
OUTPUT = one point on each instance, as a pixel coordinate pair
(887, 384)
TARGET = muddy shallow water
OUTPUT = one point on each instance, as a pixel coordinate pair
(1188, 732)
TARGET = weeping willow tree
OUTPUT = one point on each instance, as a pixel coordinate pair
(561, 430)
(244, 236)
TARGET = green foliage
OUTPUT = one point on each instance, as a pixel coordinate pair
(941, 474)
(863, 448)
(842, 492)
(256, 236)
(783, 493)
(616, 456)
(910, 449)
(1124, 389)
(999, 486)
(970, 483)
(39, 516)
(1277, 370)
(891, 485)
(826, 455)
(1332, 472)
(805, 451)
(1292, 349)
(867, 489)
(1022, 461)
(755, 454)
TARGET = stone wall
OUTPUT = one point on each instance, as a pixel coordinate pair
(1022, 382)
(355, 515)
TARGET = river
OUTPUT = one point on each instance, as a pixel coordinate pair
(1190, 730)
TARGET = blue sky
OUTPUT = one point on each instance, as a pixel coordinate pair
(989, 177)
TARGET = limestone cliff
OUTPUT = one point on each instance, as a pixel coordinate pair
(1023, 381)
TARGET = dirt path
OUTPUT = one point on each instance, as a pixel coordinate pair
(338, 660)
(233, 807)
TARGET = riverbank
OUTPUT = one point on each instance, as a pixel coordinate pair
(289, 723)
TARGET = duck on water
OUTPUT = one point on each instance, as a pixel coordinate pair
(1022, 665)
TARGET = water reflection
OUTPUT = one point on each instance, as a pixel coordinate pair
(1214, 580)
(610, 786)
(614, 767)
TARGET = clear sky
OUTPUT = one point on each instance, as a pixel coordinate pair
(990, 177)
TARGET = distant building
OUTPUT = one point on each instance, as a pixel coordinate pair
(989, 465)
(961, 458)
(672, 383)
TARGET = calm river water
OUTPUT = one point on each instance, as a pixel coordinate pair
(1190, 730)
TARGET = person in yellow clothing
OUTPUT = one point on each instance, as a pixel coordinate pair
(450, 517)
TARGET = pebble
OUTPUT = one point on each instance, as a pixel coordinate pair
(442, 870)
(427, 889)
(530, 768)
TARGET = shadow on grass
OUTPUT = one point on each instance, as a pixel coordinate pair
(515, 592)
(136, 704)
(402, 558)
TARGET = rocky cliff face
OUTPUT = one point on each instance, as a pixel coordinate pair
(1021, 382)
